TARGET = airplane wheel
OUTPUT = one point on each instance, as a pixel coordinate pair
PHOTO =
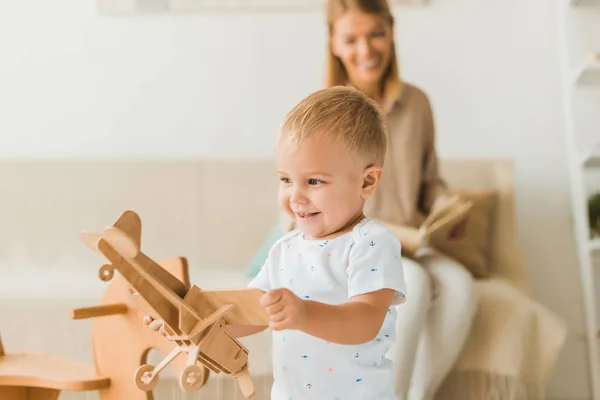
(193, 378)
(142, 378)
(106, 272)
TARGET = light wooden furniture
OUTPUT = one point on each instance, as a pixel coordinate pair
(194, 320)
(121, 341)
(25, 376)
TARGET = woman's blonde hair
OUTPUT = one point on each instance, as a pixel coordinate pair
(336, 73)
(340, 114)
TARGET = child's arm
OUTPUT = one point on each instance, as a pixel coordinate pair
(355, 322)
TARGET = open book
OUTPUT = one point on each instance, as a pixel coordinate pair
(437, 226)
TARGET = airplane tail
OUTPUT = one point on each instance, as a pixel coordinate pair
(130, 224)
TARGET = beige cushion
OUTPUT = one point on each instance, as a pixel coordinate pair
(473, 250)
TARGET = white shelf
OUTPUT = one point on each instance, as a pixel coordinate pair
(576, 79)
(589, 73)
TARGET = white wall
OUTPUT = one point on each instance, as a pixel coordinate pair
(73, 84)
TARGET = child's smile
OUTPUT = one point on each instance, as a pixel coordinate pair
(305, 215)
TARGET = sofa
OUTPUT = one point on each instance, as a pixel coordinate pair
(201, 209)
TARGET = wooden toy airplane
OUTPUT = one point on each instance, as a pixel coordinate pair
(195, 320)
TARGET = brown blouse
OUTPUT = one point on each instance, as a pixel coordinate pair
(410, 184)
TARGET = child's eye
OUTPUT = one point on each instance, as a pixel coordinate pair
(313, 181)
(285, 180)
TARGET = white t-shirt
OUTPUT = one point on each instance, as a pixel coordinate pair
(364, 260)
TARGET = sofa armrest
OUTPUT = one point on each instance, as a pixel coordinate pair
(506, 259)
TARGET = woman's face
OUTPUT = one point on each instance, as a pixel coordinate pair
(363, 42)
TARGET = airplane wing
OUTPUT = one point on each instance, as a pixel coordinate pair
(247, 310)
(91, 239)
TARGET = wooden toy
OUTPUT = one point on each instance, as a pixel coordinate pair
(121, 341)
(195, 320)
(30, 376)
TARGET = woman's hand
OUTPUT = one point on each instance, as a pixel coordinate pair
(285, 309)
(459, 230)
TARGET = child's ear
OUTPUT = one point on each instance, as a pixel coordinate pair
(371, 179)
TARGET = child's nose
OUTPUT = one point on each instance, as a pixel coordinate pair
(298, 197)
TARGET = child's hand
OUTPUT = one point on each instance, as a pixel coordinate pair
(155, 324)
(285, 309)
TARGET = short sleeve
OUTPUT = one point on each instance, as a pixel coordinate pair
(375, 263)
(261, 281)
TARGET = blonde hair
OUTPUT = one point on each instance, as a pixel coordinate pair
(335, 71)
(342, 114)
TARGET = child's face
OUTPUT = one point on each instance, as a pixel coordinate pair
(321, 186)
